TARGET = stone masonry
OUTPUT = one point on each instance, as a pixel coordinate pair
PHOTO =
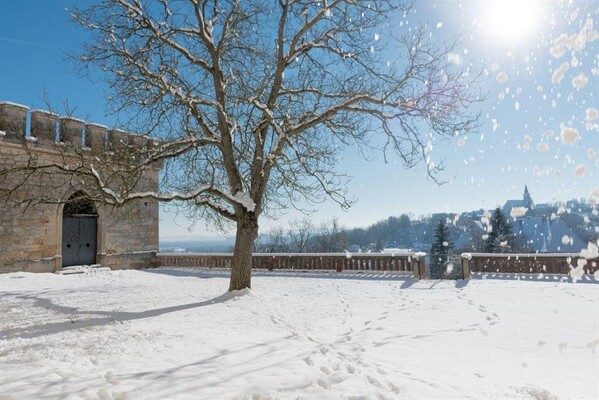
(31, 234)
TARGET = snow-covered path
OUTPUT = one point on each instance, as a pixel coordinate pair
(164, 333)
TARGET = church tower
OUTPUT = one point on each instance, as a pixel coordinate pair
(528, 203)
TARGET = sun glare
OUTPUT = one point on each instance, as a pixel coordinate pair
(511, 20)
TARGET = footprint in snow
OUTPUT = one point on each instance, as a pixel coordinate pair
(323, 384)
(593, 345)
(108, 377)
(562, 346)
(374, 382)
(325, 370)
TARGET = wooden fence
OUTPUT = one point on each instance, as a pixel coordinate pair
(546, 263)
(404, 262)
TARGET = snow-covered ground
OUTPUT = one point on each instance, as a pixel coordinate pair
(166, 333)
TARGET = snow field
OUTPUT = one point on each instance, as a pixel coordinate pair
(166, 333)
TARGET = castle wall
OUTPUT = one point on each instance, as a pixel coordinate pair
(31, 231)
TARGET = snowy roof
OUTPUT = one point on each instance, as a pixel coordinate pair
(563, 238)
(536, 231)
(512, 204)
(464, 241)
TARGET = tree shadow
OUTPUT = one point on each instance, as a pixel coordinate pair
(174, 381)
(213, 367)
(462, 283)
(408, 283)
(75, 322)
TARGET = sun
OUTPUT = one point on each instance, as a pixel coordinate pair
(511, 20)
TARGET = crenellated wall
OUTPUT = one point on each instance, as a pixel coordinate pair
(31, 232)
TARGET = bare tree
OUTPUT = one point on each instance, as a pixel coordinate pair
(253, 101)
(300, 233)
(331, 237)
(275, 241)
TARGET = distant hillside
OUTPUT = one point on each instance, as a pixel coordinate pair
(196, 244)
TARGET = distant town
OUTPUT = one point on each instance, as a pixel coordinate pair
(561, 227)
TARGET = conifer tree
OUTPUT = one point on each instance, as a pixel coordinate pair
(500, 239)
(440, 249)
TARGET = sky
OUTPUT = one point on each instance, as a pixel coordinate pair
(527, 109)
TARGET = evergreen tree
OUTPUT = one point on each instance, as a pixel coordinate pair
(440, 249)
(500, 239)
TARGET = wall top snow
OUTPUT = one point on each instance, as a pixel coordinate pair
(48, 130)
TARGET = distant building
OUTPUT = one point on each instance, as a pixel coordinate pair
(519, 208)
(535, 230)
(564, 238)
(545, 236)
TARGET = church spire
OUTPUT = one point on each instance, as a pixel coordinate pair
(528, 203)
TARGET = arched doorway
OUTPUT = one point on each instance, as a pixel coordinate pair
(79, 231)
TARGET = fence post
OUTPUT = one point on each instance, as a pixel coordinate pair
(417, 267)
(271, 262)
(339, 264)
(465, 266)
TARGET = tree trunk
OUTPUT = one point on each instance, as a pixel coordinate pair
(241, 265)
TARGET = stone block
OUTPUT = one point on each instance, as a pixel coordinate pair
(95, 136)
(43, 125)
(71, 130)
(118, 140)
(13, 121)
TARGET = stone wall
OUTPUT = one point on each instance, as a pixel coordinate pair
(31, 219)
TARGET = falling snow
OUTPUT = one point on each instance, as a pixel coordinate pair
(580, 170)
(580, 81)
(568, 134)
(560, 72)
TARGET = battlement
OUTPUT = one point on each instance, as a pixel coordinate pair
(47, 130)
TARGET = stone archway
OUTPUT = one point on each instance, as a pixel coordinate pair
(79, 231)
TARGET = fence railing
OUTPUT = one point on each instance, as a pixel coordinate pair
(404, 262)
(546, 263)
(414, 263)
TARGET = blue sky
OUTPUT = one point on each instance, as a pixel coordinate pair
(512, 40)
